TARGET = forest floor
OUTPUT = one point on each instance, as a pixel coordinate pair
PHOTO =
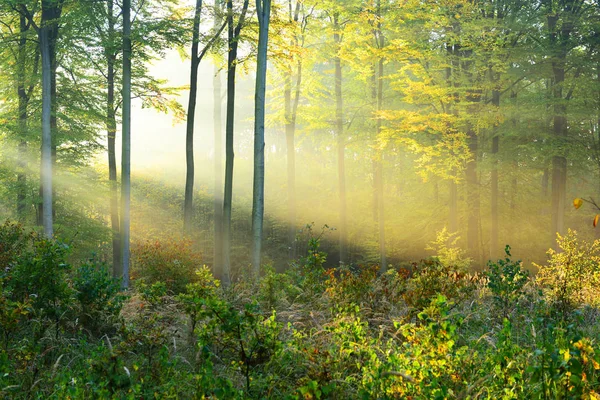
(433, 331)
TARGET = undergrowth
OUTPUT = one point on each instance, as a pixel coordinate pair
(433, 331)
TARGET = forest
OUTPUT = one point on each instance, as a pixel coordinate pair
(299, 199)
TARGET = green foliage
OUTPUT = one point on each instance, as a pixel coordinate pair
(309, 270)
(354, 339)
(13, 241)
(172, 262)
(153, 294)
(572, 275)
(197, 295)
(348, 287)
(99, 296)
(506, 280)
(448, 252)
(247, 338)
(41, 274)
(432, 277)
(275, 288)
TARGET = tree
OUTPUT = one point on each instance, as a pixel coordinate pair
(126, 148)
(263, 10)
(196, 57)
(99, 44)
(48, 34)
(341, 141)
(25, 59)
(561, 22)
(233, 33)
(218, 144)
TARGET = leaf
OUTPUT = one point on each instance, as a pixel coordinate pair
(578, 203)
(596, 218)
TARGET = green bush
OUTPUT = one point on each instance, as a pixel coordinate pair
(572, 276)
(99, 297)
(506, 280)
(41, 274)
(173, 262)
(431, 278)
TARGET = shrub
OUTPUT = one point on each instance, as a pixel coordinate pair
(309, 269)
(196, 296)
(99, 296)
(506, 280)
(431, 278)
(345, 286)
(447, 252)
(13, 241)
(274, 287)
(41, 274)
(171, 262)
(246, 338)
(571, 276)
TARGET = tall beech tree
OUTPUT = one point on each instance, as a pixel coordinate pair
(196, 57)
(126, 148)
(233, 36)
(263, 11)
(218, 144)
(337, 25)
(562, 20)
(47, 31)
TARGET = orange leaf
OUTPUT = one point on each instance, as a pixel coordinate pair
(578, 203)
(596, 218)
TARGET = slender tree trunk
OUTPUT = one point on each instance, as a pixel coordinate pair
(494, 182)
(188, 207)
(263, 9)
(341, 142)
(545, 184)
(111, 127)
(291, 164)
(23, 104)
(46, 158)
(291, 110)
(473, 197)
(381, 183)
(218, 196)
(452, 185)
(224, 272)
(126, 147)
(218, 138)
(53, 102)
(559, 162)
(473, 97)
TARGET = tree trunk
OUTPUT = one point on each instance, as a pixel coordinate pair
(559, 122)
(224, 273)
(46, 158)
(291, 110)
(188, 207)
(218, 195)
(291, 164)
(341, 143)
(473, 197)
(111, 127)
(23, 104)
(263, 9)
(473, 96)
(494, 250)
(126, 146)
(53, 102)
(218, 138)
